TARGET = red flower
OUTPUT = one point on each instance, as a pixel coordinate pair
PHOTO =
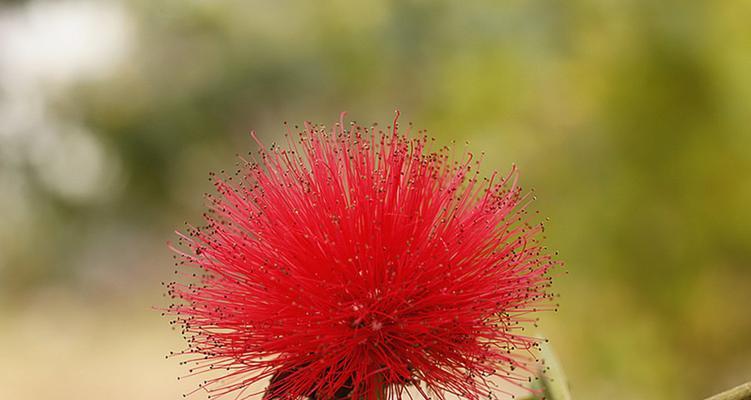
(356, 262)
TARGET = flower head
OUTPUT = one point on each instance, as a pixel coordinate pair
(355, 262)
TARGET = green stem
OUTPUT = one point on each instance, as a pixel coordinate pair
(742, 392)
(382, 390)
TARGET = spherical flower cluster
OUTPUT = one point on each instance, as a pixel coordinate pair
(355, 262)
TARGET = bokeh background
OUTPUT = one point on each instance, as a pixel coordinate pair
(630, 119)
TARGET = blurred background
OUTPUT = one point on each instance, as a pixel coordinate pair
(630, 119)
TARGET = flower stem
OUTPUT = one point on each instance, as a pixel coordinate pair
(742, 392)
(381, 389)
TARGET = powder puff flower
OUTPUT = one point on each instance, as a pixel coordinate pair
(355, 262)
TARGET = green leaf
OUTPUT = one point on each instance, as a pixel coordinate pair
(552, 377)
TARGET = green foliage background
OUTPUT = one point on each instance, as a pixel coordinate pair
(630, 119)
